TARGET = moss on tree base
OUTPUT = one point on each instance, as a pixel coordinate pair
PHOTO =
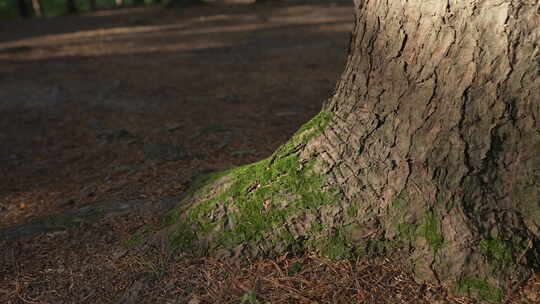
(260, 209)
(285, 204)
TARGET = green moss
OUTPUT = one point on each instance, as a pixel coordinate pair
(313, 127)
(252, 195)
(398, 203)
(333, 246)
(316, 227)
(499, 252)
(397, 211)
(352, 210)
(183, 236)
(480, 288)
(295, 268)
(260, 187)
(429, 229)
(406, 231)
(503, 253)
(286, 237)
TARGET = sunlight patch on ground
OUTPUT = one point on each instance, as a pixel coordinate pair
(183, 36)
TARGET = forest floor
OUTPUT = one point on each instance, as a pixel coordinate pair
(106, 118)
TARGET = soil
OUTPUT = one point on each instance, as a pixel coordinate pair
(106, 118)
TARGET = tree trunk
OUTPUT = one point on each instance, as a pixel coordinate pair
(23, 9)
(429, 148)
(38, 9)
(93, 5)
(71, 7)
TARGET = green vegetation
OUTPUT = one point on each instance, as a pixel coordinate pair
(406, 231)
(333, 246)
(249, 199)
(480, 288)
(8, 9)
(498, 252)
(504, 253)
(352, 211)
(295, 268)
(430, 230)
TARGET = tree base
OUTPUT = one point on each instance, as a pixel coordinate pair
(289, 203)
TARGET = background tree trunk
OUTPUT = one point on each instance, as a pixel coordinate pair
(93, 5)
(429, 149)
(71, 7)
(38, 9)
(23, 8)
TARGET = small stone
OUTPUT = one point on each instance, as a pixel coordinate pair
(3, 208)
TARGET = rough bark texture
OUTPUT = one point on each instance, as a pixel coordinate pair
(430, 147)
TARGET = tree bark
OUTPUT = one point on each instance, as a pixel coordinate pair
(429, 149)
(38, 9)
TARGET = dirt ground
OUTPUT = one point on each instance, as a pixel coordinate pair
(106, 118)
